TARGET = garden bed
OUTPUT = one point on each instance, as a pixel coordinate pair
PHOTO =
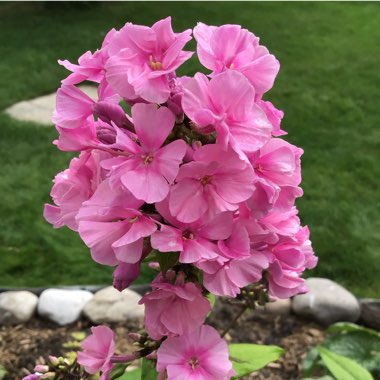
(21, 345)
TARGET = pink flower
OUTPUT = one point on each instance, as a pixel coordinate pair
(284, 283)
(34, 376)
(72, 187)
(148, 169)
(98, 350)
(74, 107)
(112, 226)
(226, 104)
(199, 355)
(174, 308)
(274, 116)
(90, 66)
(225, 277)
(231, 47)
(143, 59)
(278, 162)
(194, 241)
(214, 182)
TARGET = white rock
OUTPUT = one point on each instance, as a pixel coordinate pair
(62, 306)
(17, 306)
(326, 302)
(279, 307)
(40, 110)
(110, 305)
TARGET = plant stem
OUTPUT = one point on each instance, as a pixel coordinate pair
(241, 312)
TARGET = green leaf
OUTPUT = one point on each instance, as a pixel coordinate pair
(212, 300)
(3, 372)
(346, 327)
(167, 260)
(311, 361)
(361, 346)
(148, 369)
(118, 370)
(327, 377)
(247, 358)
(343, 368)
(132, 375)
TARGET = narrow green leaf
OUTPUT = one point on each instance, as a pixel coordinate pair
(148, 370)
(343, 368)
(247, 358)
(212, 299)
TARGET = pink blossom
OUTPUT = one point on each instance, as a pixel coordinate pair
(144, 58)
(199, 355)
(278, 162)
(74, 107)
(72, 187)
(90, 66)
(229, 47)
(98, 350)
(112, 226)
(225, 277)
(284, 283)
(149, 169)
(214, 182)
(174, 308)
(194, 241)
(274, 116)
(226, 104)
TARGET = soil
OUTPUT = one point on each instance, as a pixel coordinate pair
(22, 346)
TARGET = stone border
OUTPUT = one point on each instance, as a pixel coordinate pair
(326, 302)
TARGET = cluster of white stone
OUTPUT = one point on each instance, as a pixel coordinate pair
(326, 302)
(64, 306)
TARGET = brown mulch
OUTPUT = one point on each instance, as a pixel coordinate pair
(22, 345)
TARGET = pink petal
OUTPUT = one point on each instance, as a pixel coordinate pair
(152, 124)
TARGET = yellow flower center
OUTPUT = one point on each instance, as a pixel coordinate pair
(154, 65)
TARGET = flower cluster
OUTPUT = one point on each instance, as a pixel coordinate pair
(195, 170)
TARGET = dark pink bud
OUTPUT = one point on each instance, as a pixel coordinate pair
(111, 112)
(124, 275)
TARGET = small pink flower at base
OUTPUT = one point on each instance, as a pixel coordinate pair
(98, 350)
(226, 104)
(172, 309)
(214, 182)
(199, 355)
(229, 47)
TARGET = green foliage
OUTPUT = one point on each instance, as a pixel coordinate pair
(132, 375)
(118, 371)
(167, 260)
(247, 358)
(148, 370)
(342, 367)
(328, 87)
(3, 372)
(355, 343)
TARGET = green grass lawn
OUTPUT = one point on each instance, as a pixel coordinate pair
(328, 86)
